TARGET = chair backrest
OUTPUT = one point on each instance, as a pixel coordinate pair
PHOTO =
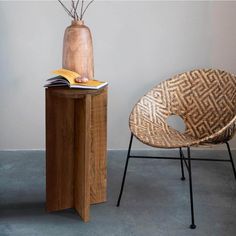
(204, 98)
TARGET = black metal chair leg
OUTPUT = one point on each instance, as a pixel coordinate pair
(181, 163)
(192, 226)
(126, 166)
(231, 159)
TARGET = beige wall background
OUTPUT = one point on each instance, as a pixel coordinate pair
(137, 44)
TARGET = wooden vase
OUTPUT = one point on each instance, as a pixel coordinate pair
(78, 50)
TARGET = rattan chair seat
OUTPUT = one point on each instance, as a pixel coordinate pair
(205, 99)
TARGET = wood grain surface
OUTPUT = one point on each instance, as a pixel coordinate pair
(98, 171)
(82, 150)
(59, 152)
(76, 149)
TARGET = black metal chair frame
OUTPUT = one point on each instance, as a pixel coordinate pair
(183, 160)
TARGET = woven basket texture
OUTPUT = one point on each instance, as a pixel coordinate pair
(205, 99)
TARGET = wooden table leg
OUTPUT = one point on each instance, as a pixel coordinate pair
(98, 157)
(59, 152)
(76, 126)
(82, 157)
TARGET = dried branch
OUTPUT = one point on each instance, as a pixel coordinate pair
(65, 8)
(73, 8)
(76, 5)
(86, 8)
(81, 10)
(73, 5)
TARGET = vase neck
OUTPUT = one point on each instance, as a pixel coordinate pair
(77, 22)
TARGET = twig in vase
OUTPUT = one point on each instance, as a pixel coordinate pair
(65, 8)
(86, 8)
(76, 5)
(73, 6)
(81, 9)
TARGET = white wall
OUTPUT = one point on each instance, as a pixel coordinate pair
(136, 45)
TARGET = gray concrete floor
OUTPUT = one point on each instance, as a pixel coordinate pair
(155, 201)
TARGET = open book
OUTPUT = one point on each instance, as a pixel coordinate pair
(67, 78)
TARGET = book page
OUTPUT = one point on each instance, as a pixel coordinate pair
(69, 75)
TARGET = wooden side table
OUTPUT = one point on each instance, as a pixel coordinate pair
(76, 149)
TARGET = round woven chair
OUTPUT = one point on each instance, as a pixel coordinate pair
(206, 101)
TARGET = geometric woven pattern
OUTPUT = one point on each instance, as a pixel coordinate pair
(206, 101)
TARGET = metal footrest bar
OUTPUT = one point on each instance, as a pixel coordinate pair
(178, 158)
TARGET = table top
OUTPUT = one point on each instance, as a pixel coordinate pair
(74, 93)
